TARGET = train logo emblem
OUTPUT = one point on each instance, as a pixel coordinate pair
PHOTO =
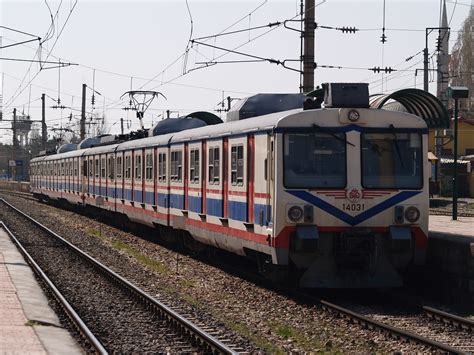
(354, 195)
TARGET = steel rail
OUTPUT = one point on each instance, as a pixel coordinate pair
(73, 316)
(399, 333)
(449, 318)
(175, 319)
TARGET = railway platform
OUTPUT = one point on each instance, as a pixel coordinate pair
(27, 323)
(450, 256)
(440, 226)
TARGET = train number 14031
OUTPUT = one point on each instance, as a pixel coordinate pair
(353, 206)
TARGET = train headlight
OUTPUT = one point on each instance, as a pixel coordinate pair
(353, 115)
(295, 213)
(412, 214)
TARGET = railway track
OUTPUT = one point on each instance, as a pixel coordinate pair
(427, 327)
(444, 212)
(87, 336)
(119, 316)
(460, 322)
(24, 195)
(388, 324)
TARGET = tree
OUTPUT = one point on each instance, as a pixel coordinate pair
(461, 65)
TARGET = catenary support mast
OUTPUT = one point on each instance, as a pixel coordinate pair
(308, 54)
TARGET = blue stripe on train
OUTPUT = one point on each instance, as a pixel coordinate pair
(238, 210)
(137, 196)
(195, 204)
(150, 198)
(262, 214)
(214, 207)
(177, 201)
(163, 200)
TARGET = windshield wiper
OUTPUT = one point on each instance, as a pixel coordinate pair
(397, 147)
(319, 128)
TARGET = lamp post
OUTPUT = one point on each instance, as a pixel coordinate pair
(456, 92)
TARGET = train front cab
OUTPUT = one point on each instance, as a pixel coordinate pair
(352, 199)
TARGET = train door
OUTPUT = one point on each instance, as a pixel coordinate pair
(262, 158)
(176, 196)
(118, 177)
(103, 175)
(132, 177)
(66, 175)
(162, 184)
(127, 186)
(203, 177)
(214, 179)
(137, 176)
(148, 181)
(53, 175)
(90, 177)
(194, 194)
(63, 175)
(250, 178)
(185, 173)
(50, 175)
(84, 176)
(59, 175)
(270, 178)
(237, 179)
(110, 188)
(56, 175)
(70, 175)
(77, 174)
(96, 175)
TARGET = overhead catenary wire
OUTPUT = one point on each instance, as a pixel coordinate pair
(186, 51)
(49, 53)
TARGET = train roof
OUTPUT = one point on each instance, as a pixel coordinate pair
(284, 119)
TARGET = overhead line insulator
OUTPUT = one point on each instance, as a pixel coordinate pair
(383, 70)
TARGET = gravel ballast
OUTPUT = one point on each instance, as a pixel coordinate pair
(257, 318)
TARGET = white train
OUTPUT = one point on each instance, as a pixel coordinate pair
(332, 197)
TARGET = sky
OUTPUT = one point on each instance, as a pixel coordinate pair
(117, 46)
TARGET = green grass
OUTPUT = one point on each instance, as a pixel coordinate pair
(300, 341)
(284, 331)
(153, 264)
(242, 329)
(93, 232)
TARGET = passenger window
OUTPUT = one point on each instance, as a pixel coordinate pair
(111, 168)
(97, 167)
(149, 167)
(194, 166)
(176, 166)
(214, 170)
(128, 168)
(162, 167)
(102, 168)
(138, 166)
(119, 167)
(237, 165)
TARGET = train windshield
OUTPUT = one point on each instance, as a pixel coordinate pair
(315, 160)
(392, 160)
